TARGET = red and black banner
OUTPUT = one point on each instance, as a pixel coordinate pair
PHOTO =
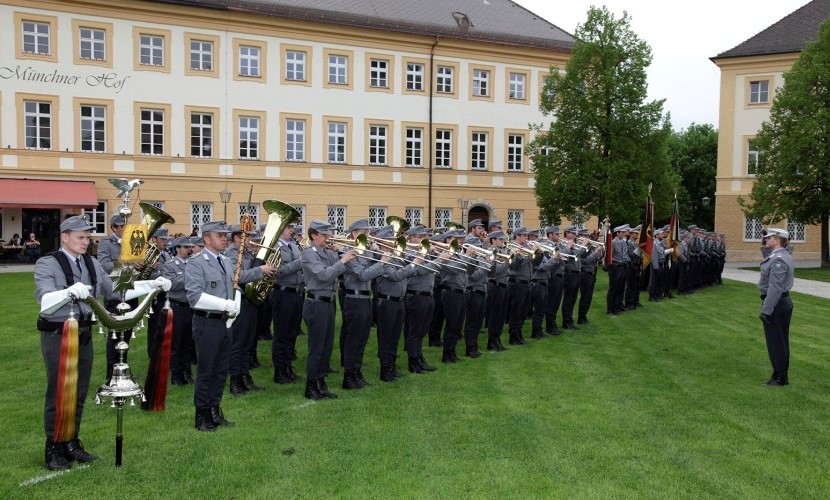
(646, 239)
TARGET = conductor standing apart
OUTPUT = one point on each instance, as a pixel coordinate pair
(777, 308)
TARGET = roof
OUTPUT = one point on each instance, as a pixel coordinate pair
(790, 34)
(495, 21)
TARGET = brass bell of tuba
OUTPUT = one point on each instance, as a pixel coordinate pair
(154, 217)
(280, 215)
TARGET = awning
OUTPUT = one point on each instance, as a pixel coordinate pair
(32, 193)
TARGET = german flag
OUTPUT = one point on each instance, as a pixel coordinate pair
(646, 239)
(673, 241)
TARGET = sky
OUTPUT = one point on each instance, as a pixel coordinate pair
(683, 36)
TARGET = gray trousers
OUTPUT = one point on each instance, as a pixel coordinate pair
(50, 347)
(416, 322)
(319, 317)
(777, 334)
(357, 313)
(243, 333)
(213, 350)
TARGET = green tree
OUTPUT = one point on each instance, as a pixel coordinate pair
(694, 158)
(606, 144)
(793, 174)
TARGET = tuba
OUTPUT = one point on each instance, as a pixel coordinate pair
(280, 215)
(154, 217)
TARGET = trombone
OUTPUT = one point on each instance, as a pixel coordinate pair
(555, 251)
(359, 245)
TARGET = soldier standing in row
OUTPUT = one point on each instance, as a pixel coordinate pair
(777, 275)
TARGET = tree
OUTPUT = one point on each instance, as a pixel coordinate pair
(606, 144)
(694, 158)
(793, 173)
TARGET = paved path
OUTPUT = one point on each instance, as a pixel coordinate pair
(810, 287)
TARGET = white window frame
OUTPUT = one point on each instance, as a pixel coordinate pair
(478, 150)
(797, 230)
(378, 137)
(414, 147)
(377, 216)
(249, 61)
(92, 44)
(98, 217)
(414, 216)
(515, 152)
(759, 91)
(294, 140)
(37, 38)
(38, 125)
(443, 148)
(379, 73)
(442, 217)
(338, 69)
(201, 132)
(249, 135)
(336, 140)
(93, 128)
(148, 140)
(481, 83)
(151, 50)
(518, 84)
(295, 65)
(444, 79)
(200, 213)
(201, 55)
(753, 229)
(752, 157)
(336, 216)
(414, 76)
(514, 220)
(251, 209)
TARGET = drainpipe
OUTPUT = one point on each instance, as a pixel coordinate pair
(430, 138)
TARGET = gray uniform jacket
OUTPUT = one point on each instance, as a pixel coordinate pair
(247, 274)
(500, 272)
(572, 265)
(49, 277)
(394, 280)
(592, 259)
(203, 274)
(543, 270)
(424, 278)
(174, 270)
(658, 258)
(632, 252)
(477, 277)
(360, 272)
(290, 272)
(683, 252)
(620, 251)
(321, 267)
(522, 266)
(109, 251)
(777, 275)
(452, 277)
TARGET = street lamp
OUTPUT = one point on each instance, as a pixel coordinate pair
(225, 196)
(463, 203)
(705, 201)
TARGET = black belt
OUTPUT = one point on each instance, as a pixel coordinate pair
(289, 289)
(321, 298)
(45, 325)
(478, 292)
(390, 298)
(540, 282)
(453, 290)
(416, 292)
(494, 282)
(177, 303)
(571, 272)
(209, 315)
(515, 280)
(785, 294)
(356, 292)
(621, 264)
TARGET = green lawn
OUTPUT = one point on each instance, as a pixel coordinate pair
(666, 401)
(807, 273)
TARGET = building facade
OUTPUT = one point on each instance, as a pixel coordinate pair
(343, 114)
(750, 75)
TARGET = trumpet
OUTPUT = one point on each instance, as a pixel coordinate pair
(556, 252)
(516, 248)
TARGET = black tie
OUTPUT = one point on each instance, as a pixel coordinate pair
(78, 263)
(218, 259)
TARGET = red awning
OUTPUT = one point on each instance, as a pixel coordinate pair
(31, 193)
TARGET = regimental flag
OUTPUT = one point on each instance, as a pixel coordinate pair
(646, 240)
(673, 241)
(609, 245)
(134, 243)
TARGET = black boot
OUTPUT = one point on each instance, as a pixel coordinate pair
(54, 459)
(204, 422)
(237, 386)
(424, 365)
(74, 450)
(447, 356)
(292, 377)
(387, 373)
(350, 380)
(455, 358)
(514, 340)
(361, 378)
(218, 418)
(397, 373)
(491, 346)
(253, 361)
(311, 390)
(473, 352)
(324, 389)
(178, 379)
(279, 376)
(188, 377)
(415, 365)
(249, 384)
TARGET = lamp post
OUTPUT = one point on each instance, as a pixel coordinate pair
(463, 203)
(225, 196)
(705, 201)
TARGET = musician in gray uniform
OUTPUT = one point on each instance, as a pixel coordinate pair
(181, 347)
(321, 267)
(61, 278)
(587, 280)
(556, 284)
(617, 271)
(419, 304)
(286, 299)
(632, 282)
(518, 289)
(208, 282)
(454, 284)
(777, 275)
(475, 297)
(571, 284)
(357, 307)
(497, 295)
(155, 323)
(539, 278)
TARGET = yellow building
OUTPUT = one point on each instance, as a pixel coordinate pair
(411, 108)
(750, 75)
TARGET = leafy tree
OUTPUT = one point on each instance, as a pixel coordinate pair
(793, 174)
(606, 143)
(694, 158)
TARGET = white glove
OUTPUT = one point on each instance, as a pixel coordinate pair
(208, 302)
(79, 291)
(668, 251)
(52, 301)
(163, 283)
(231, 307)
(140, 288)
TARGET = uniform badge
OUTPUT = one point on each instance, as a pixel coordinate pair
(213, 284)
(778, 265)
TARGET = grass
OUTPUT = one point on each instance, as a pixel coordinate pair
(666, 401)
(807, 273)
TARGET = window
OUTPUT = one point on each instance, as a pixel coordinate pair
(249, 137)
(481, 83)
(377, 144)
(295, 65)
(200, 213)
(251, 210)
(152, 131)
(797, 231)
(201, 55)
(515, 152)
(377, 216)
(38, 124)
(201, 134)
(249, 61)
(517, 86)
(93, 128)
(444, 79)
(93, 44)
(36, 38)
(514, 220)
(443, 148)
(338, 67)
(414, 147)
(295, 140)
(478, 150)
(97, 217)
(759, 92)
(336, 142)
(379, 73)
(413, 216)
(442, 217)
(752, 157)
(301, 209)
(337, 217)
(151, 50)
(753, 230)
(414, 77)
